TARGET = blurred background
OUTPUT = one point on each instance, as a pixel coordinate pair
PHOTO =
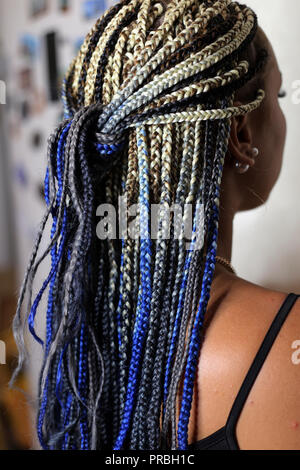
(38, 39)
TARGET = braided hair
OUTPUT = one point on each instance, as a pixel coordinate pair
(148, 111)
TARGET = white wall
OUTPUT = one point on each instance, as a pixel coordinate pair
(266, 243)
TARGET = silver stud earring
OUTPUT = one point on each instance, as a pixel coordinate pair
(242, 167)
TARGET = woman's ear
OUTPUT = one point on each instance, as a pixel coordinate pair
(240, 141)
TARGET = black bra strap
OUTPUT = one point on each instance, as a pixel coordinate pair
(256, 367)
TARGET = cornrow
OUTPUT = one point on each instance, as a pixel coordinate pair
(148, 104)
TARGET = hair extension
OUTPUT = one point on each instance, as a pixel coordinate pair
(148, 104)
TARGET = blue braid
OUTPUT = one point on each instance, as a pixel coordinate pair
(106, 149)
(82, 387)
(59, 376)
(66, 419)
(46, 185)
(56, 257)
(41, 417)
(192, 360)
(194, 346)
(143, 309)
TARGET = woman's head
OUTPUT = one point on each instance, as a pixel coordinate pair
(264, 129)
(149, 107)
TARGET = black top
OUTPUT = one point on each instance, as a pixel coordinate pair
(225, 438)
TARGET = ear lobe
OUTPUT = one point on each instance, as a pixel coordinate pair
(240, 140)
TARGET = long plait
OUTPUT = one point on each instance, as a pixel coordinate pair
(148, 109)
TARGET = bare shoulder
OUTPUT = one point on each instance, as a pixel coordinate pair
(238, 324)
(271, 416)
